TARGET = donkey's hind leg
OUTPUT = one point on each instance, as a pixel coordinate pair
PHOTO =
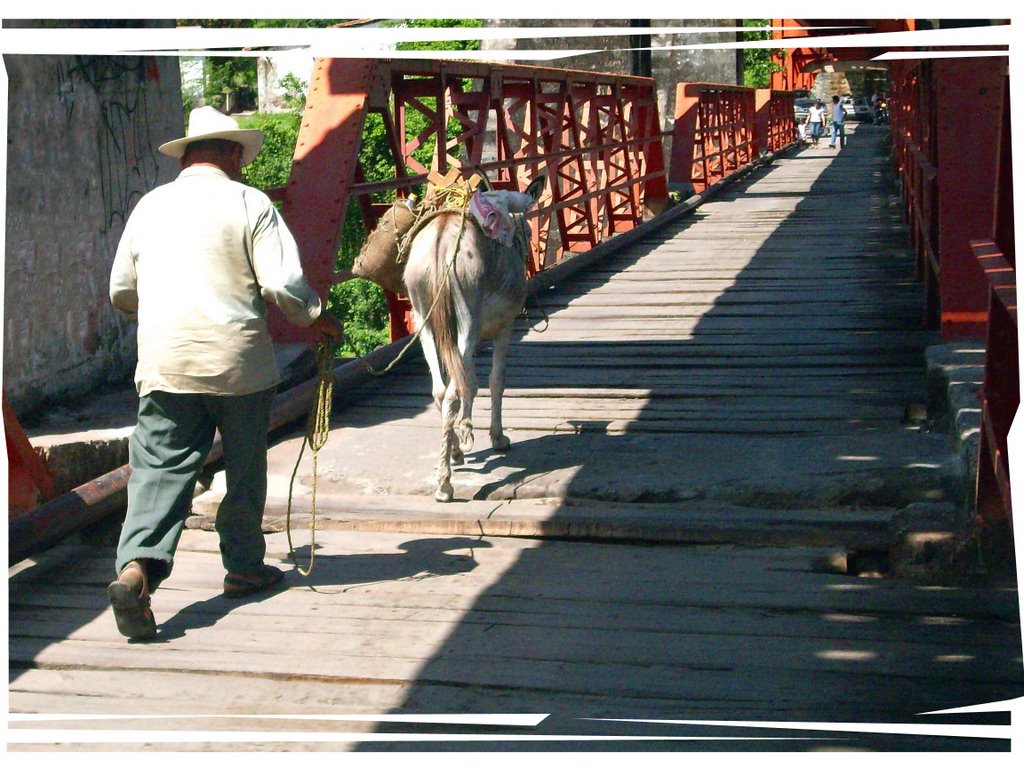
(449, 412)
(496, 382)
(437, 382)
(467, 348)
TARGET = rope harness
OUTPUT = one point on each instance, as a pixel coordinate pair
(439, 200)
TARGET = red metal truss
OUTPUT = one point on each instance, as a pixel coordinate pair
(323, 171)
(29, 482)
(717, 131)
(597, 136)
(562, 138)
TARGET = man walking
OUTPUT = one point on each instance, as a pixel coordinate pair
(838, 127)
(198, 260)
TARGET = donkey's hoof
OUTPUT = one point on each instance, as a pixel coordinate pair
(466, 435)
(458, 457)
(500, 443)
(444, 493)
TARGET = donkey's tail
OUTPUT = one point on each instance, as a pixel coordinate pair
(444, 317)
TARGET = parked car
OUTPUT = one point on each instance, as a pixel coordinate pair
(848, 108)
(801, 107)
(862, 108)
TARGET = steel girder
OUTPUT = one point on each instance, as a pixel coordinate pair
(597, 136)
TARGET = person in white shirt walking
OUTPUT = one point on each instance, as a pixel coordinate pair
(198, 260)
(815, 122)
(838, 124)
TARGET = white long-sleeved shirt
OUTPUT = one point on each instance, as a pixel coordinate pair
(198, 260)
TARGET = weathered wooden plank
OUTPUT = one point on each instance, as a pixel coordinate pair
(76, 618)
(624, 578)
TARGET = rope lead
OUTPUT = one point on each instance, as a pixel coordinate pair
(318, 429)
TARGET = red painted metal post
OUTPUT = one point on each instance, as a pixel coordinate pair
(645, 126)
(762, 108)
(968, 104)
(323, 171)
(684, 136)
(29, 483)
(1000, 395)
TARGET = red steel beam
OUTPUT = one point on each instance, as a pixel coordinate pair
(323, 170)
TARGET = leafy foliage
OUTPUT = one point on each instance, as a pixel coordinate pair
(236, 74)
(274, 162)
(757, 62)
(440, 45)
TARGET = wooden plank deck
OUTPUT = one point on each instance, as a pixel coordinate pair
(708, 428)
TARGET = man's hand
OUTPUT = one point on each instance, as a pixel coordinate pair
(329, 327)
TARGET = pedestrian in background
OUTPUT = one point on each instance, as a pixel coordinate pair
(838, 124)
(199, 259)
(816, 121)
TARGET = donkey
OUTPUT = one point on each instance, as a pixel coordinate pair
(465, 288)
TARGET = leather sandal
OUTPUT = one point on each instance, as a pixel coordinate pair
(243, 584)
(129, 597)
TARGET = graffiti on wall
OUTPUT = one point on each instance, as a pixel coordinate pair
(127, 158)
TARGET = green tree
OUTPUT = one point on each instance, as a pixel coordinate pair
(757, 62)
(439, 45)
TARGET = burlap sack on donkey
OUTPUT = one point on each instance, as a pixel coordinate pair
(378, 259)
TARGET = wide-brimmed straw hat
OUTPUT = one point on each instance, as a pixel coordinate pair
(208, 123)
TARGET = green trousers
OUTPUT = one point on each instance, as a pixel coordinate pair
(166, 453)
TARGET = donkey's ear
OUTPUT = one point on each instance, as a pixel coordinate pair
(536, 187)
(485, 183)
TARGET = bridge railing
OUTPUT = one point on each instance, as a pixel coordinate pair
(951, 150)
(720, 129)
(1000, 395)
(597, 136)
(913, 152)
(945, 126)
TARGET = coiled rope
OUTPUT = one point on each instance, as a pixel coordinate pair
(318, 428)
